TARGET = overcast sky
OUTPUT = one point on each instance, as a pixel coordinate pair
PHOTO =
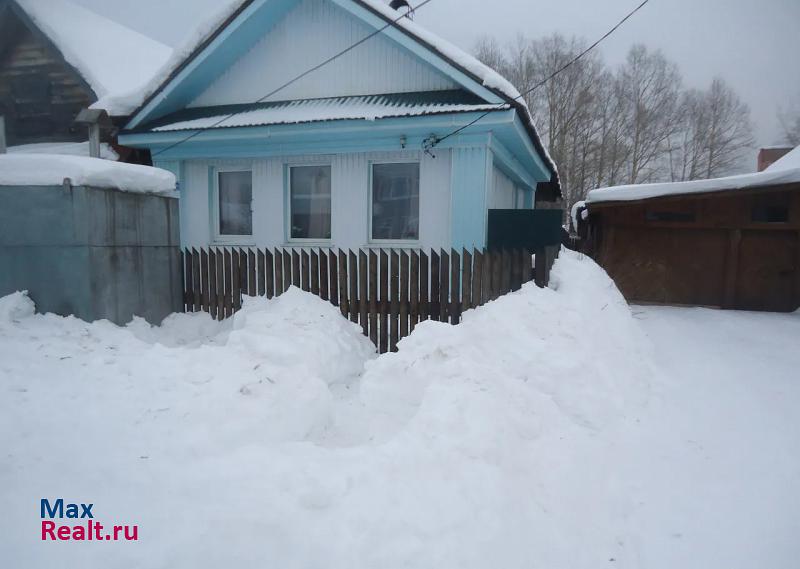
(753, 44)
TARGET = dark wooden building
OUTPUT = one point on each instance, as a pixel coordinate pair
(56, 59)
(700, 243)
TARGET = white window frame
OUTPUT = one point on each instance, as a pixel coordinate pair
(246, 240)
(287, 200)
(393, 243)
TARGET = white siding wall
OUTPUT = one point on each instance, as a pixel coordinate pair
(308, 35)
(350, 195)
(503, 192)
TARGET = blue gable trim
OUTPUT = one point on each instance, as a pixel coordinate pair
(511, 166)
(253, 23)
(231, 43)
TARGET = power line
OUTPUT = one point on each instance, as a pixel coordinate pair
(543, 82)
(297, 78)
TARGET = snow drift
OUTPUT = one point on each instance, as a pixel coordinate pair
(278, 438)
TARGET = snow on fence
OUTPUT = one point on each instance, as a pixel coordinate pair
(387, 292)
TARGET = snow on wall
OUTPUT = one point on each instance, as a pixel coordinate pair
(350, 198)
(377, 66)
(52, 169)
(112, 58)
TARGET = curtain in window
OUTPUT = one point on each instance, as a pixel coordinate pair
(235, 203)
(395, 201)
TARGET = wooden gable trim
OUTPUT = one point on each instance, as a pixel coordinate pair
(14, 9)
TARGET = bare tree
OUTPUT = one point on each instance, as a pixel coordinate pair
(631, 125)
(715, 134)
(790, 122)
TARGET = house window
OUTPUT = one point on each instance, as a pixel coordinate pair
(770, 208)
(234, 202)
(310, 202)
(395, 201)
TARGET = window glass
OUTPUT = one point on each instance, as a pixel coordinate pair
(395, 201)
(235, 203)
(310, 214)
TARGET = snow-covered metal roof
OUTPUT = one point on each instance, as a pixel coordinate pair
(370, 107)
(765, 179)
(110, 57)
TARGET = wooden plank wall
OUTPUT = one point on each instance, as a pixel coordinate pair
(386, 292)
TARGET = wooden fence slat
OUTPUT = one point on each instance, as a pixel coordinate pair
(394, 305)
(261, 270)
(204, 296)
(477, 279)
(305, 277)
(228, 283)
(212, 283)
(314, 272)
(384, 297)
(278, 257)
(455, 287)
(287, 270)
(324, 283)
(373, 298)
(196, 280)
(220, 285)
(516, 269)
(497, 274)
(404, 278)
(506, 278)
(252, 273)
(353, 300)
(188, 302)
(243, 277)
(527, 273)
(488, 275)
(334, 268)
(414, 285)
(363, 296)
(424, 267)
(269, 273)
(444, 287)
(433, 310)
(236, 287)
(466, 284)
(296, 281)
(343, 300)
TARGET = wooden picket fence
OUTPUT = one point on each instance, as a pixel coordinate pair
(386, 292)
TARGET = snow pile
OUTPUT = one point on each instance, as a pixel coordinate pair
(109, 56)
(23, 169)
(255, 442)
(67, 148)
(15, 307)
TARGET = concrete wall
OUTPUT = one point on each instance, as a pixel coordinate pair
(95, 253)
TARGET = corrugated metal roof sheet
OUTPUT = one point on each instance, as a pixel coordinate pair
(370, 107)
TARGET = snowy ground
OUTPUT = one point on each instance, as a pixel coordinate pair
(553, 428)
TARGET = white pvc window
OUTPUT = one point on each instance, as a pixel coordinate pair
(235, 203)
(310, 202)
(395, 202)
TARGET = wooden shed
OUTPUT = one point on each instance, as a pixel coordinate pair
(731, 243)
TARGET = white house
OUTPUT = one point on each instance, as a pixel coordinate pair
(354, 154)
